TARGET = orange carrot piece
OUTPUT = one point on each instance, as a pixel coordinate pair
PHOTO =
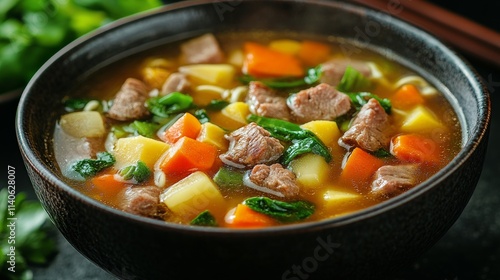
(415, 148)
(188, 155)
(359, 167)
(187, 125)
(262, 61)
(245, 217)
(107, 184)
(313, 53)
(406, 97)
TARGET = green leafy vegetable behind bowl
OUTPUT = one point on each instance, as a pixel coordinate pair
(31, 31)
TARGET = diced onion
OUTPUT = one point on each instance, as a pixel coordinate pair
(424, 87)
(230, 163)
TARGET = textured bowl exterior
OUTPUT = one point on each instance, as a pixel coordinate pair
(369, 244)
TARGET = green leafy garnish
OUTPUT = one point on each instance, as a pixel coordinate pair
(31, 241)
(280, 210)
(302, 140)
(228, 178)
(139, 172)
(172, 103)
(313, 75)
(31, 31)
(216, 105)
(75, 104)
(382, 153)
(201, 115)
(90, 167)
(353, 81)
(205, 218)
(361, 98)
(146, 129)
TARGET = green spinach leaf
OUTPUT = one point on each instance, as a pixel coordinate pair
(280, 210)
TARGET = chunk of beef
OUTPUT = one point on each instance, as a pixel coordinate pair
(273, 179)
(143, 201)
(129, 102)
(333, 70)
(322, 102)
(203, 49)
(176, 82)
(264, 101)
(251, 145)
(369, 129)
(391, 180)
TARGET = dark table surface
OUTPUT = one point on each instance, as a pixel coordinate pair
(469, 250)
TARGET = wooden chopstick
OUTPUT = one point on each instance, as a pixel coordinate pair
(461, 33)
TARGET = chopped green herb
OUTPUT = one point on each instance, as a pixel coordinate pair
(353, 81)
(146, 129)
(216, 105)
(90, 167)
(280, 210)
(312, 77)
(75, 104)
(382, 153)
(201, 115)
(361, 98)
(170, 104)
(228, 178)
(205, 218)
(139, 172)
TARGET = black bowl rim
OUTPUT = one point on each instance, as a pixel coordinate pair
(478, 133)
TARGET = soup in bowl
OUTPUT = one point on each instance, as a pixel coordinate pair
(240, 138)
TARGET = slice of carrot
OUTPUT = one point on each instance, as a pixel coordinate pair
(406, 97)
(188, 155)
(313, 53)
(187, 125)
(262, 61)
(107, 184)
(416, 148)
(245, 217)
(360, 167)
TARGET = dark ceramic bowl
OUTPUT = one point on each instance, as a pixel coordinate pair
(368, 244)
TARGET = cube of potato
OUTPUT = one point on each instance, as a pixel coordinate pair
(327, 131)
(130, 150)
(214, 74)
(237, 111)
(339, 201)
(192, 195)
(83, 124)
(311, 170)
(213, 134)
(420, 119)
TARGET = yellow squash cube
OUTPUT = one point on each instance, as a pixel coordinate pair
(192, 195)
(130, 150)
(214, 74)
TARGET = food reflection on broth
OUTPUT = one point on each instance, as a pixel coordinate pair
(251, 130)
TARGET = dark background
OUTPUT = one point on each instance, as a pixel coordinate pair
(469, 250)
